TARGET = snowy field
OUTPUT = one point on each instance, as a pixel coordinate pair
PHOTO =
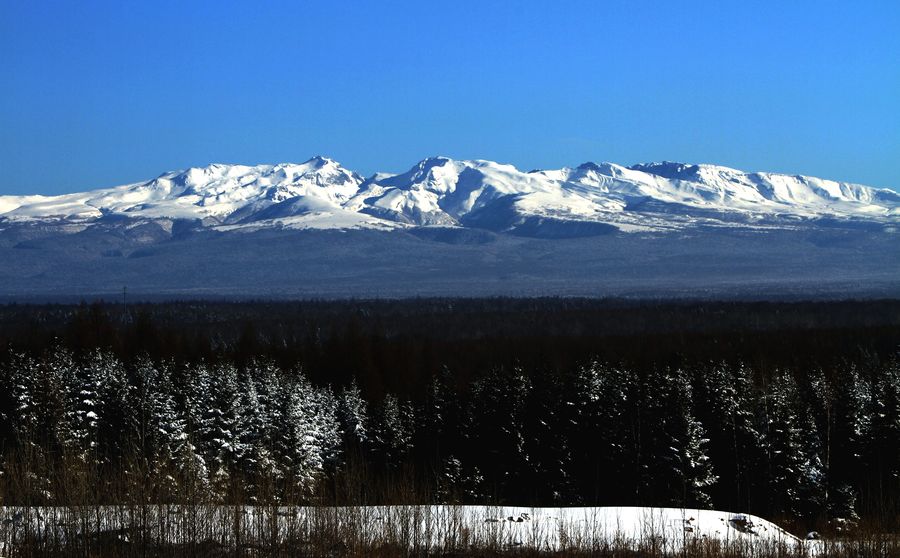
(656, 530)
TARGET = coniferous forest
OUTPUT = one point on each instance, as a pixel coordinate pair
(786, 410)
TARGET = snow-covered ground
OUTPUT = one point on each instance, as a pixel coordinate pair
(660, 529)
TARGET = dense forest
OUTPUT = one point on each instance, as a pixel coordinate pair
(786, 410)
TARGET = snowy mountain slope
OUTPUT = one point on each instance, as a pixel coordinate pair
(582, 201)
(777, 192)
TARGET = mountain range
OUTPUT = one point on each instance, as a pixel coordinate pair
(455, 228)
(573, 201)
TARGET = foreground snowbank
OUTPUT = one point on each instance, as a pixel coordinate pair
(673, 527)
(662, 530)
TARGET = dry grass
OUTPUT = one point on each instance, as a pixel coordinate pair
(142, 531)
(70, 510)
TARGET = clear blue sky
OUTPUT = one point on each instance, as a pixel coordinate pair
(95, 94)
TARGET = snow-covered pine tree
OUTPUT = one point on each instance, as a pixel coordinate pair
(307, 435)
(353, 414)
(883, 443)
(680, 469)
(84, 408)
(814, 488)
(11, 394)
(393, 432)
(253, 436)
(548, 418)
(328, 430)
(494, 446)
(194, 397)
(218, 427)
(176, 471)
(599, 432)
(436, 437)
(148, 442)
(118, 421)
(38, 390)
(794, 475)
(33, 396)
(283, 419)
(59, 370)
(851, 408)
(724, 399)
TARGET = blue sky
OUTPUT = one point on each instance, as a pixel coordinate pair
(102, 93)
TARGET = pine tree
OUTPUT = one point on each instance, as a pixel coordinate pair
(599, 434)
(253, 444)
(393, 435)
(812, 491)
(33, 398)
(548, 418)
(494, 445)
(354, 418)
(283, 419)
(218, 427)
(171, 460)
(118, 422)
(849, 431)
(680, 469)
(793, 468)
(883, 443)
(84, 408)
(307, 435)
(437, 438)
(724, 402)
(10, 401)
(38, 391)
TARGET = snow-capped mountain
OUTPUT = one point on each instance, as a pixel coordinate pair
(587, 199)
(216, 194)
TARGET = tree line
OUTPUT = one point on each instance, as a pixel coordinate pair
(397, 346)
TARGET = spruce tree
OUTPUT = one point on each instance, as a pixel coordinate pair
(548, 416)
(393, 432)
(495, 436)
(724, 401)
(680, 469)
(793, 468)
(218, 427)
(597, 425)
(353, 414)
(883, 443)
(849, 432)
